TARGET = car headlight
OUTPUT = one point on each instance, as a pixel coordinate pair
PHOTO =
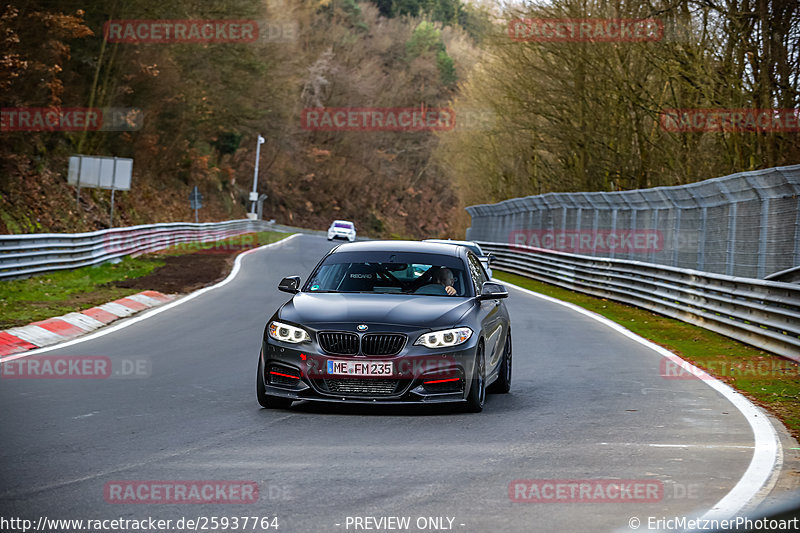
(444, 338)
(286, 333)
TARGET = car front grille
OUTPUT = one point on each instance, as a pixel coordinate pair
(346, 343)
(339, 343)
(361, 387)
(382, 344)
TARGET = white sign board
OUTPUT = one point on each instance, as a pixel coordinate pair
(100, 172)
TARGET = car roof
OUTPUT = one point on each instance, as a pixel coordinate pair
(456, 243)
(398, 246)
(345, 221)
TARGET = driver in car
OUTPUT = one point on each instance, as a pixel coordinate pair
(444, 276)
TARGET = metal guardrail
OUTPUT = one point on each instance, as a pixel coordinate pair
(24, 255)
(790, 275)
(746, 224)
(765, 314)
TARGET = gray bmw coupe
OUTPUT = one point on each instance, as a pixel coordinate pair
(388, 322)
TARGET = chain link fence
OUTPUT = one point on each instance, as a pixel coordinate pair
(745, 224)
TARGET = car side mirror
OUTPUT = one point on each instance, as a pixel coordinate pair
(491, 258)
(290, 285)
(492, 291)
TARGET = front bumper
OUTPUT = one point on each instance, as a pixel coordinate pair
(348, 236)
(420, 375)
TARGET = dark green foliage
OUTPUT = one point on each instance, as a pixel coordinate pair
(227, 142)
(428, 39)
(444, 11)
(447, 69)
(347, 9)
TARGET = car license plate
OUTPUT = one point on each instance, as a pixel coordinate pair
(359, 368)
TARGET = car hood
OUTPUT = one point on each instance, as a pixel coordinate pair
(414, 311)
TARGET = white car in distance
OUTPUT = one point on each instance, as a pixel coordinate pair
(342, 229)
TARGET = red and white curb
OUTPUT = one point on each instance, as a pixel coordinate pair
(101, 313)
(59, 329)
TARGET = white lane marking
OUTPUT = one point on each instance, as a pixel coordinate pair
(35, 335)
(768, 452)
(709, 446)
(87, 415)
(147, 314)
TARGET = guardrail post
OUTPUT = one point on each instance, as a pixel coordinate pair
(701, 239)
(595, 223)
(731, 239)
(764, 234)
(78, 183)
(797, 233)
(613, 228)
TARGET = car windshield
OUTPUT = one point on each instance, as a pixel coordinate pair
(345, 225)
(423, 274)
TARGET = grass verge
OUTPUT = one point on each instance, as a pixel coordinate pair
(23, 301)
(771, 381)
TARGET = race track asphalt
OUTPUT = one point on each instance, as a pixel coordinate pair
(586, 403)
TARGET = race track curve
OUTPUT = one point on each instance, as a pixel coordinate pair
(586, 403)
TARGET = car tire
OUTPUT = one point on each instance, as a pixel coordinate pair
(477, 390)
(265, 400)
(503, 383)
